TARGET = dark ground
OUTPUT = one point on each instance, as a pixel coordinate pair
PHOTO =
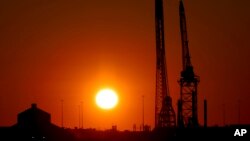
(54, 133)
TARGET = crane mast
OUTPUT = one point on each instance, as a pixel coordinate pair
(187, 104)
(186, 62)
(164, 112)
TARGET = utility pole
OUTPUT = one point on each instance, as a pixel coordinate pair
(224, 114)
(81, 114)
(239, 112)
(142, 112)
(62, 112)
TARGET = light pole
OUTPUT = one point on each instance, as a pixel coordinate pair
(81, 114)
(142, 112)
(62, 112)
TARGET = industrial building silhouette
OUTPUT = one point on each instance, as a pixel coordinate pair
(34, 124)
(33, 118)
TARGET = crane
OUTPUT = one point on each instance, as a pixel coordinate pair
(164, 112)
(187, 104)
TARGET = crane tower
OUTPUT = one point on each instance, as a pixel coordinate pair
(164, 112)
(187, 104)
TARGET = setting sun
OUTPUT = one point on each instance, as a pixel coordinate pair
(106, 99)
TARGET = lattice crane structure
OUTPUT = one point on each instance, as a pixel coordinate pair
(164, 112)
(187, 104)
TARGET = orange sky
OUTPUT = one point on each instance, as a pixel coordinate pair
(53, 50)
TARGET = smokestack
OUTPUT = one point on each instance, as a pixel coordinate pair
(205, 113)
(194, 110)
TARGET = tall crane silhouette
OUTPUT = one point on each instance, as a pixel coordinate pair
(164, 112)
(187, 104)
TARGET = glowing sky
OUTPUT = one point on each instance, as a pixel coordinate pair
(69, 49)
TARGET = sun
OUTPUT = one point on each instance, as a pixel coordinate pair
(106, 99)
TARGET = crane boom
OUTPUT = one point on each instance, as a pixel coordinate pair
(164, 112)
(185, 52)
(187, 67)
(187, 104)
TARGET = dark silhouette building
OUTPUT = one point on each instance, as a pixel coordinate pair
(33, 118)
(34, 124)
